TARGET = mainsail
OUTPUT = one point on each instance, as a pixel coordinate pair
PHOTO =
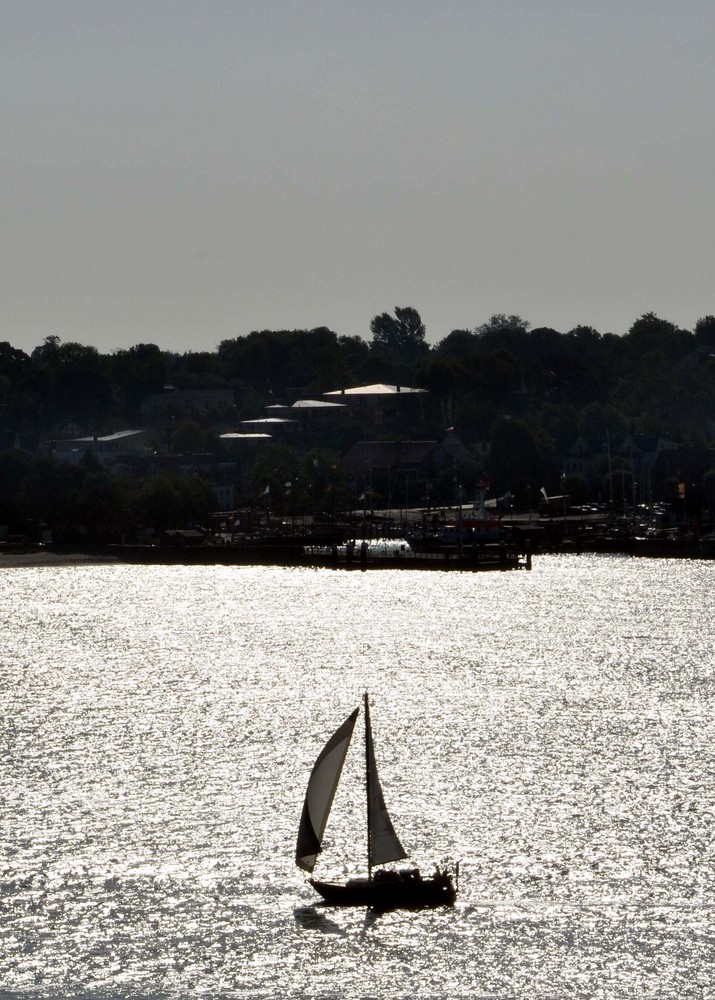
(383, 842)
(319, 797)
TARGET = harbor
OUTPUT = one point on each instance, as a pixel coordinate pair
(448, 539)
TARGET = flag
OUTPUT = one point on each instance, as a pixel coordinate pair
(267, 491)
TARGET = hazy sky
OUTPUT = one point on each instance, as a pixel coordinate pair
(179, 172)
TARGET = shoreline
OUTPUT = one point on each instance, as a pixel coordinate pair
(279, 555)
(23, 558)
(44, 557)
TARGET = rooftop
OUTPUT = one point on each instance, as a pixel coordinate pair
(379, 389)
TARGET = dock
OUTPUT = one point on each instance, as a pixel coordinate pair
(499, 557)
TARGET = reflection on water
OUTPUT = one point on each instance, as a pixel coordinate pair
(554, 731)
(311, 919)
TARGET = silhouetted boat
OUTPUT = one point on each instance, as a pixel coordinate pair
(386, 888)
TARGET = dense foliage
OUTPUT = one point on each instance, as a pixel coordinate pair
(525, 394)
(84, 502)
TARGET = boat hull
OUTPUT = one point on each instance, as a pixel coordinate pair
(391, 892)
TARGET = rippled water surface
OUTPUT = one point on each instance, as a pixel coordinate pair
(552, 730)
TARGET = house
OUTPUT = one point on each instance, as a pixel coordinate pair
(581, 457)
(243, 449)
(401, 468)
(318, 422)
(281, 427)
(636, 454)
(107, 448)
(642, 454)
(380, 406)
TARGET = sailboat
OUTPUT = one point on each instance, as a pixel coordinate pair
(382, 889)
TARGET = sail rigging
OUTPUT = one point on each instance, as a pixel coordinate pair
(319, 797)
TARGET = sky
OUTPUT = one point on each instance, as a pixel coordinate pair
(182, 172)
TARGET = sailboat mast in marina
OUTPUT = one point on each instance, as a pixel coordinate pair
(385, 888)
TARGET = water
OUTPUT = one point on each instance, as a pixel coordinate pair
(553, 730)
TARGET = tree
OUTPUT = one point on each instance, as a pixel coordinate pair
(595, 422)
(14, 467)
(355, 353)
(500, 375)
(651, 333)
(99, 508)
(576, 488)
(19, 391)
(136, 373)
(705, 331)
(318, 484)
(172, 501)
(78, 385)
(286, 362)
(49, 492)
(559, 422)
(400, 339)
(190, 438)
(518, 456)
(510, 332)
(458, 344)
(444, 377)
(272, 475)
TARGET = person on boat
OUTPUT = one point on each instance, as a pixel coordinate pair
(386, 875)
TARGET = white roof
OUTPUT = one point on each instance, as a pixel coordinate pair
(315, 404)
(267, 420)
(117, 436)
(379, 389)
(234, 436)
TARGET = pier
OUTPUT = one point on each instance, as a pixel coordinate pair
(498, 557)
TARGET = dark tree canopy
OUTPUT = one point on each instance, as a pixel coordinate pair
(400, 339)
(137, 373)
(650, 333)
(77, 385)
(286, 362)
(657, 380)
(705, 331)
(458, 343)
(520, 456)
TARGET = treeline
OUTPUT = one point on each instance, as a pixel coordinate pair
(656, 379)
(525, 393)
(85, 503)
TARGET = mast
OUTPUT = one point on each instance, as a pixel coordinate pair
(367, 786)
(383, 844)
